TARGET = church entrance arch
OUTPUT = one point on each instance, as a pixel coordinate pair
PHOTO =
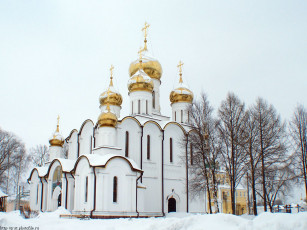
(171, 205)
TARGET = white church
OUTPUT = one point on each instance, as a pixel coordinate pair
(123, 166)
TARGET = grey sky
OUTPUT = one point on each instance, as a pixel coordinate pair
(55, 55)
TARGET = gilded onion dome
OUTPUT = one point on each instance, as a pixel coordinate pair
(107, 118)
(150, 65)
(114, 97)
(57, 139)
(181, 93)
(140, 81)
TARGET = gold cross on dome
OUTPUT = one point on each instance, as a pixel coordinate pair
(180, 70)
(145, 35)
(145, 29)
(58, 123)
(111, 77)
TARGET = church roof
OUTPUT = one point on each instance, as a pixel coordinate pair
(102, 160)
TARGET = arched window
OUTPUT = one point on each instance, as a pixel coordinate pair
(127, 144)
(115, 189)
(139, 106)
(148, 147)
(86, 189)
(171, 149)
(153, 99)
(191, 153)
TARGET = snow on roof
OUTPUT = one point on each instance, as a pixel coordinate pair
(98, 160)
(67, 165)
(2, 194)
(42, 171)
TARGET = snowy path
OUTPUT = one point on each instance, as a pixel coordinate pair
(180, 221)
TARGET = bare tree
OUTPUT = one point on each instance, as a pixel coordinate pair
(278, 181)
(39, 155)
(232, 136)
(10, 149)
(271, 139)
(204, 152)
(298, 130)
(253, 155)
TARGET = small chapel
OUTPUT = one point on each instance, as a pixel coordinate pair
(123, 166)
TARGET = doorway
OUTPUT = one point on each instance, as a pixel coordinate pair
(171, 205)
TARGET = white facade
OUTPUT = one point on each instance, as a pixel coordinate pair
(137, 168)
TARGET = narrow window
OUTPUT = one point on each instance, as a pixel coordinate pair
(86, 189)
(127, 144)
(139, 106)
(115, 189)
(148, 147)
(188, 116)
(37, 194)
(146, 107)
(153, 99)
(191, 153)
(171, 149)
(181, 115)
(132, 107)
(175, 116)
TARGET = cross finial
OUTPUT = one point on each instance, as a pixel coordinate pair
(58, 124)
(145, 34)
(111, 76)
(180, 70)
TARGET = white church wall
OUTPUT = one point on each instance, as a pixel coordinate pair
(135, 132)
(125, 203)
(156, 91)
(152, 178)
(85, 138)
(175, 171)
(35, 192)
(83, 194)
(73, 145)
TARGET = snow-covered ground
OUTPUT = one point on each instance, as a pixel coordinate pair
(176, 221)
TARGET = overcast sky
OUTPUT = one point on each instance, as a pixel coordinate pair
(55, 55)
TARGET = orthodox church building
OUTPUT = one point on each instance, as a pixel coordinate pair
(129, 166)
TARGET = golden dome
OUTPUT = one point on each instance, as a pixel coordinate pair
(140, 81)
(181, 93)
(150, 66)
(107, 119)
(110, 96)
(57, 139)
